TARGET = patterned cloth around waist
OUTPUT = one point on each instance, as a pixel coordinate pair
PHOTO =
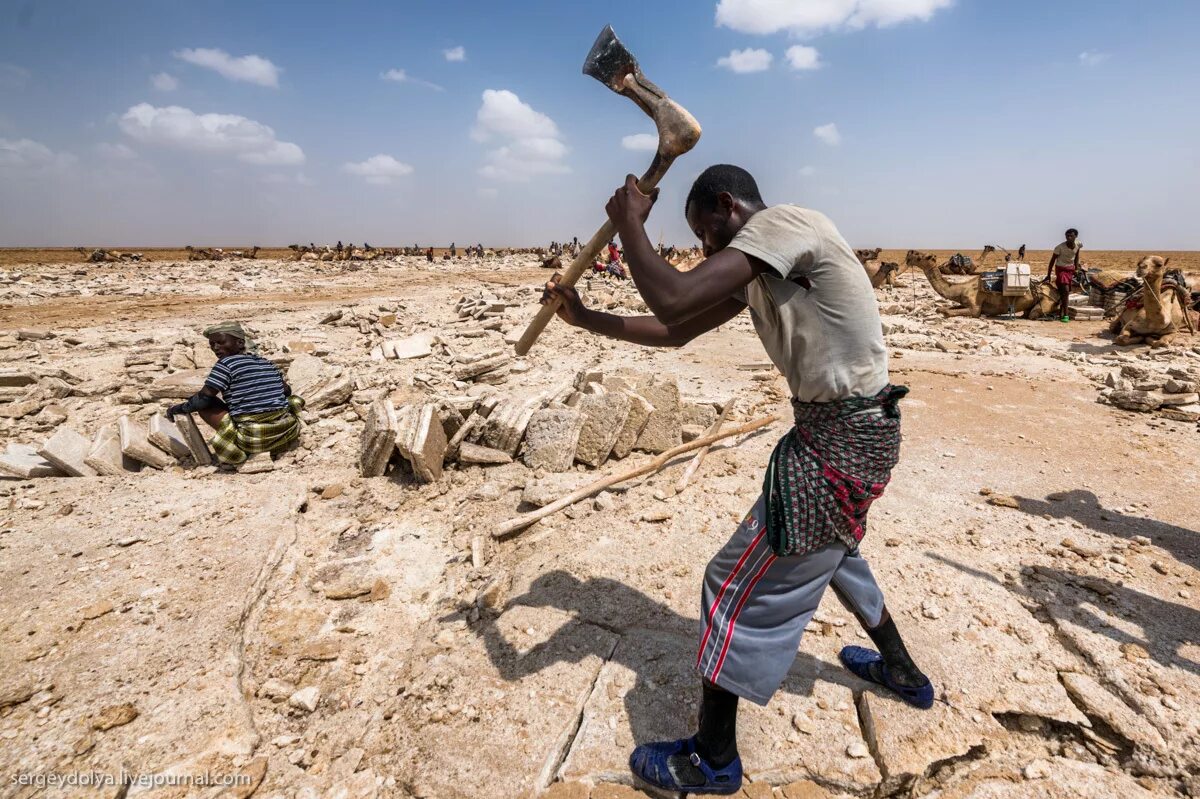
(825, 473)
(239, 437)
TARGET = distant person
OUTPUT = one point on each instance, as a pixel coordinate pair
(339, 247)
(1021, 253)
(1063, 263)
(429, 255)
(256, 410)
(453, 250)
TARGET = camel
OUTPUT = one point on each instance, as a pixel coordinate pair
(248, 254)
(885, 275)
(1040, 300)
(881, 274)
(963, 265)
(866, 256)
(99, 256)
(204, 253)
(1162, 312)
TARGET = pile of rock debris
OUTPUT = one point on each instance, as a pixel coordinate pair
(585, 422)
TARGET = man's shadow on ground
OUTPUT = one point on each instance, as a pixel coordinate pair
(662, 702)
(1085, 507)
(1075, 598)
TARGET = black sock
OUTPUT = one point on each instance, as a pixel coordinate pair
(716, 741)
(891, 647)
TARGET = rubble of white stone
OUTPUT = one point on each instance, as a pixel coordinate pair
(1173, 393)
(123, 448)
(585, 422)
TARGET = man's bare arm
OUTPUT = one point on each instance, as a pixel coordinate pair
(674, 296)
(648, 331)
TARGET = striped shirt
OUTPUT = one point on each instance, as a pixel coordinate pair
(248, 384)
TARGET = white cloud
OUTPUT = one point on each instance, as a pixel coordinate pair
(379, 169)
(248, 68)
(503, 114)
(13, 76)
(164, 82)
(1092, 58)
(531, 143)
(226, 134)
(801, 57)
(400, 76)
(640, 141)
(745, 61)
(115, 152)
(828, 134)
(807, 171)
(815, 16)
(455, 53)
(28, 154)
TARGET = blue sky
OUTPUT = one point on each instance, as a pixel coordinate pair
(925, 123)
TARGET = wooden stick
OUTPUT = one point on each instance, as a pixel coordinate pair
(699, 456)
(591, 489)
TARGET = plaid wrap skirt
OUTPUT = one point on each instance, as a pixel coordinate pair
(239, 437)
(825, 473)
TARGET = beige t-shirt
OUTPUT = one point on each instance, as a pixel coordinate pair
(827, 340)
(1066, 255)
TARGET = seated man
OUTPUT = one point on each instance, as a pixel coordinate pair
(256, 411)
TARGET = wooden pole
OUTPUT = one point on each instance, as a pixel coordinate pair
(698, 458)
(525, 520)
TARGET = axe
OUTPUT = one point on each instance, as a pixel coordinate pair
(678, 131)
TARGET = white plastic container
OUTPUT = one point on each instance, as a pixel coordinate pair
(1016, 279)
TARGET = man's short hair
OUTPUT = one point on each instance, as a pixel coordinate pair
(1072, 230)
(722, 178)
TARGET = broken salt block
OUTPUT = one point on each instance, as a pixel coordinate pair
(1003, 501)
(508, 421)
(639, 412)
(67, 451)
(165, 435)
(663, 430)
(105, 456)
(178, 385)
(421, 440)
(22, 460)
(418, 346)
(378, 438)
(194, 439)
(136, 445)
(16, 378)
(551, 438)
(603, 417)
(474, 454)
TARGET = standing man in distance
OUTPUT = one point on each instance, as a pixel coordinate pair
(813, 307)
(1063, 263)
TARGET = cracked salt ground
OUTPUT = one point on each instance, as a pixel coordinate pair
(329, 635)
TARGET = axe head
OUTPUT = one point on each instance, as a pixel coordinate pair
(614, 66)
(609, 62)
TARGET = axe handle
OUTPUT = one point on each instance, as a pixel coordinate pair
(583, 261)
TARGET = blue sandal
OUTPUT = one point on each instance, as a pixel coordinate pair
(859, 660)
(649, 763)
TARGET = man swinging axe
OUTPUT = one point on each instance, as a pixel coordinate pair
(813, 307)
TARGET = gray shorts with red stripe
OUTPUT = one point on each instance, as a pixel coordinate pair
(755, 606)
